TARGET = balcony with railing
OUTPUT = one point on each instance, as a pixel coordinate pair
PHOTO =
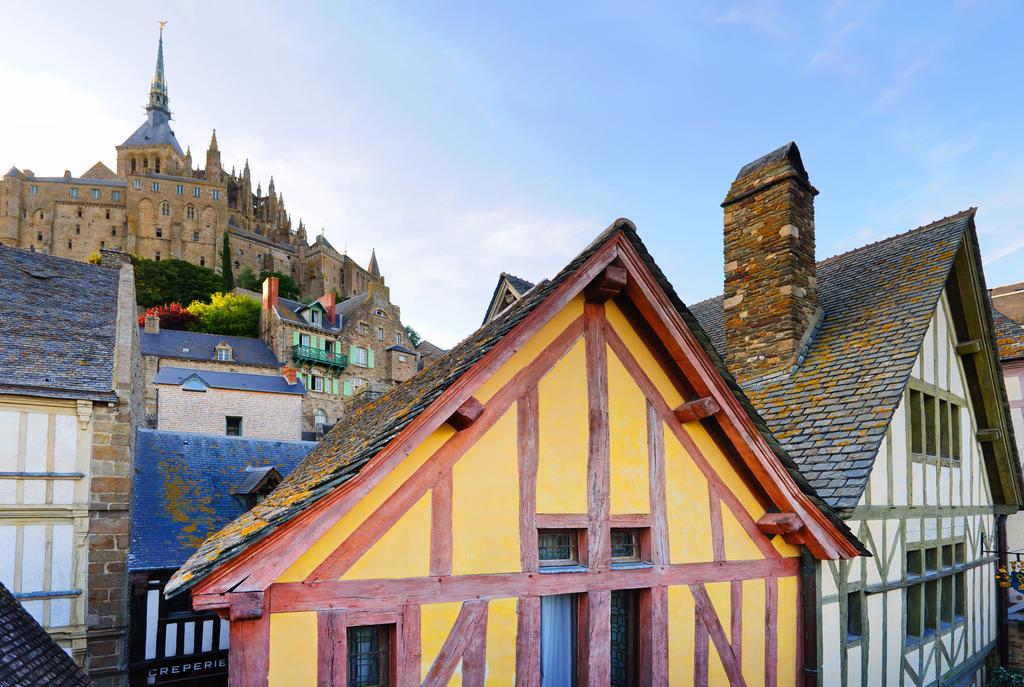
(317, 356)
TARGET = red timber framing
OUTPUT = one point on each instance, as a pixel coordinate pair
(619, 273)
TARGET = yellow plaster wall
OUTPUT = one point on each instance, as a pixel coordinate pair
(531, 349)
(502, 622)
(752, 661)
(648, 363)
(738, 544)
(348, 523)
(485, 503)
(564, 430)
(436, 621)
(789, 606)
(719, 593)
(403, 551)
(627, 424)
(293, 650)
(723, 468)
(680, 636)
(686, 497)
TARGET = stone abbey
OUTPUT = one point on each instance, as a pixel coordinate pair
(158, 204)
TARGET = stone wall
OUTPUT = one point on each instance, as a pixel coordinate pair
(265, 415)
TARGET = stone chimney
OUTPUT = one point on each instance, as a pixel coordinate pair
(771, 295)
(329, 301)
(111, 257)
(152, 324)
(289, 373)
(270, 287)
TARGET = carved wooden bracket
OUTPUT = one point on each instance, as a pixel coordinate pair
(697, 409)
(780, 523)
(246, 605)
(988, 435)
(607, 284)
(466, 414)
(969, 347)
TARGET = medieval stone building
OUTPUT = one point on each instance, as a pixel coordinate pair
(159, 204)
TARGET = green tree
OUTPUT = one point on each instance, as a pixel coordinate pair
(286, 286)
(173, 281)
(227, 313)
(226, 273)
(247, 279)
(413, 335)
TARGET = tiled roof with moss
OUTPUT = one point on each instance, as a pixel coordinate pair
(832, 411)
(1009, 337)
(363, 433)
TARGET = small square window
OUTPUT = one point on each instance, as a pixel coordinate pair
(216, 194)
(233, 426)
(369, 655)
(137, 184)
(73, 191)
(558, 547)
(224, 354)
(197, 192)
(179, 189)
(625, 545)
(156, 186)
(115, 195)
(95, 194)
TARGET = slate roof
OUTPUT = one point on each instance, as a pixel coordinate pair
(832, 412)
(362, 433)
(155, 130)
(170, 343)
(82, 181)
(57, 326)
(289, 310)
(237, 381)
(400, 349)
(183, 487)
(1009, 337)
(29, 655)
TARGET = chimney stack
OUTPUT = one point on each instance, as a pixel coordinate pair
(289, 373)
(771, 294)
(270, 287)
(152, 324)
(329, 301)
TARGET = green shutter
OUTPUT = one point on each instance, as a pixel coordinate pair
(351, 354)
(295, 338)
(334, 384)
(348, 388)
(337, 347)
(369, 358)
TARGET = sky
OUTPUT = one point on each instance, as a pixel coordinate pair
(460, 140)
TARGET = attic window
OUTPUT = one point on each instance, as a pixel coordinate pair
(256, 484)
(224, 353)
(315, 316)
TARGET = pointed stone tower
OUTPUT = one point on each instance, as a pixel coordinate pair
(214, 171)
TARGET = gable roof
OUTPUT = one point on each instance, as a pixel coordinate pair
(517, 286)
(184, 486)
(289, 310)
(171, 343)
(831, 413)
(41, 354)
(368, 429)
(30, 656)
(235, 381)
(1009, 337)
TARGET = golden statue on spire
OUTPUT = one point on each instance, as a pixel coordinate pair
(162, 24)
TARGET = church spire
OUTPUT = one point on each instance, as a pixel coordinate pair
(158, 88)
(374, 268)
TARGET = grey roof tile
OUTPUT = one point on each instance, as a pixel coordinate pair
(170, 343)
(238, 381)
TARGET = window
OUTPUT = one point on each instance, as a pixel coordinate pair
(113, 231)
(115, 195)
(165, 209)
(179, 189)
(157, 258)
(624, 644)
(380, 333)
(854, 616)
(69, 245)
(320, 417)
(558, 547)
(197, 192)
(158, 165)
(314, 316)
(625, 545)
(215, 193)
(935, 594)
(78, 212)
(224, 353)
(233, 426)
(33, 190)
(95, 193)
(304, 340)
(360, 356)
(137, 184)
(369, 655)
(202, 261)
(159, 232)
(108, 214)
(190, 212)
(73, 191)
(134, 166)
(78, 230)
(934, 426)
(156, 186)
(401, 358)
(558, 639)
(364, 329)
(39, 236)
(398, 338)
(317, 384)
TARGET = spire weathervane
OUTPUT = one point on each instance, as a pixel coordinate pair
(158, 88)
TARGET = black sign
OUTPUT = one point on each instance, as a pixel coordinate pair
(185, 668)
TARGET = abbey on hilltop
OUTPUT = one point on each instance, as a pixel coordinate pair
(158, 204)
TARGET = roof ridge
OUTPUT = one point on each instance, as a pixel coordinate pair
(969, 212)
(179, 432)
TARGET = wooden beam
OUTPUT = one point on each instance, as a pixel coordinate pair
(441, 526)
(780, 523)
(528, 642)
(599, 444)
(246, 605)
(989, 435)
(466, 414)
(697, 409)
(607, 284)
(527, 448)
(968, 347)
(249, 660)
(332, 650)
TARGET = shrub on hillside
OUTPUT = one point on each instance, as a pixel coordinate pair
(286, 286)
(172, 316)
(173, 281)
(227, 313)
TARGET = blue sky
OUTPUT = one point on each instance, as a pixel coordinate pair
(460, 140)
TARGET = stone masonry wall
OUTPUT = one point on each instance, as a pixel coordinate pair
(269, 416)
(770, 287)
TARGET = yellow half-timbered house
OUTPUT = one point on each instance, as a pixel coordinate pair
(577, 494)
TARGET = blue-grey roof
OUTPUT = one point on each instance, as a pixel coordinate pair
(401, 349)
(289, 310)
(170, 343)
(238, 381)
(81, 181)
(156, 130)
(182, 489)
(57, 326)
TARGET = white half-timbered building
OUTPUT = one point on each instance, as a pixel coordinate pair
(877, 371)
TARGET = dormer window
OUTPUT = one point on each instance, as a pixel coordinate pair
(223, 352)
(316, 317)
(256, 484)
